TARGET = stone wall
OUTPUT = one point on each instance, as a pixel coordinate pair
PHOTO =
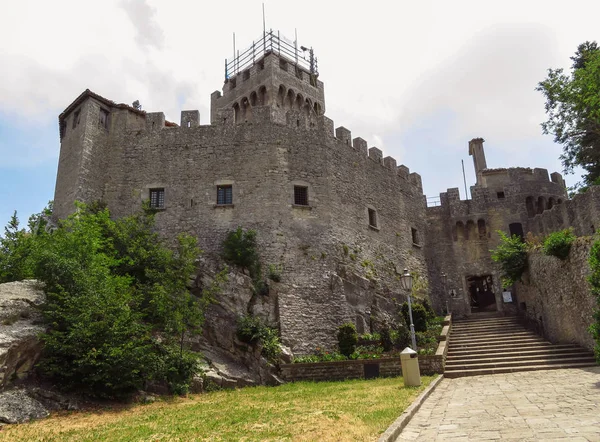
(336, 267)
(555, 295)
(341, 370)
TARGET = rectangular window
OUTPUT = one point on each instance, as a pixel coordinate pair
(500, 195)
(372, 218)
(104, 118)
(75, 119)
(415, 235)
(224, 195)
(157, 198)
(301, 195)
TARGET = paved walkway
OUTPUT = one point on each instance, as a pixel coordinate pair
(527, 406)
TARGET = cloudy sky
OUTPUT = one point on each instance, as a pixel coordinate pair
(416, 79)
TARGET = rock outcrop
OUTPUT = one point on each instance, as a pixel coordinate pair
(19, 328)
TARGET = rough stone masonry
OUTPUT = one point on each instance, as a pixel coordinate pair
(339, 219)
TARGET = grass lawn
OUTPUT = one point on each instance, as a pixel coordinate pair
(304, 411)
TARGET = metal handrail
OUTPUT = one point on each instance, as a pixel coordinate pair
(271, 42)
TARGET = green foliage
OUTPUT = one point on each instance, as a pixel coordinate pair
(594, 279)
(274, 273)
(117, 303)
(367, 352)
(253, 331)
(18, 245)
(559, 243)
(369, 337)
(511, 254)
(239, 248)
(347, 338)
(419, 314)
(387, 342)
(401, 334)
(573, 111)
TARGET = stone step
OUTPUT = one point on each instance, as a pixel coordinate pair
(540, 345)
(465, 364)
(483, 355)
(477, 372)
(496, 340)
(487, 320)
(490, 336)
(497, 345)
(479, 328)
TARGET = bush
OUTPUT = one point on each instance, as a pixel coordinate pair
(511, 254)
(419, 314)
(559, 243)
(117, 304)
(367, 352)
(387, 342)
(274, 273)
(401, 334)
(347, 339)
(253, 331)
(239, 248)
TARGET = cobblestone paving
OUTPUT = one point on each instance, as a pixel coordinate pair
(528, 406)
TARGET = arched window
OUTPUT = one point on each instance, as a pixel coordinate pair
(530, 207)
(550, 203)
(317, 108)
(481, 229)
(541, 204)
(289, 102)
(460, 230)
(246, 110)
(281, 96)
(237, 115)
(471, 230)
(299, 102)
(253, 99)
(262, 96)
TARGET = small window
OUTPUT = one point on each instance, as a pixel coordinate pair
(500, 195)
(157, 198)
(415, 235)
(372, 217)
(301, 195)
(104, 118)
(75, 119)
(283, 64)
(224, 195)
(246, 75)
(233, 82)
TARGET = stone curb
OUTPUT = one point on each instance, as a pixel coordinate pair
(394, 430)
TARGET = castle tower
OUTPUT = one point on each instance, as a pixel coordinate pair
(476, 151)
(273, 72)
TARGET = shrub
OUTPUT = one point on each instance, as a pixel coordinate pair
(347, 338)
(367, 352)
(419, 314)
(274, 273)
(239, 248)
(387, 341)
(401, 334)
(249, 329)
(511, 254)
(253, 331)
(117, 303)
(559, 243)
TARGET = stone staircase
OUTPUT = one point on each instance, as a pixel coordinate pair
(488, 344)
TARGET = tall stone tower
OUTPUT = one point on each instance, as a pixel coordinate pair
(476, 151)
(274, 73)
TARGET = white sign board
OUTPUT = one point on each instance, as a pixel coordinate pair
(507, 297)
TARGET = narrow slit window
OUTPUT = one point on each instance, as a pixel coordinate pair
(76, 119)
(301, 195)
(224, 195)
(500, 195)
(157, 198)
(415, 235)
(372, 218)
(104, 118)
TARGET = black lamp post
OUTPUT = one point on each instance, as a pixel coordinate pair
(444, 279)
(406, 281)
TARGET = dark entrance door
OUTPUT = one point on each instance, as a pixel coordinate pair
(481, 293)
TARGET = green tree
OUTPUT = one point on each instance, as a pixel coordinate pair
(511, 254)
(118, 306)
(573, 111)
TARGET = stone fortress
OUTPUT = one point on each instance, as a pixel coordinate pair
(339, 219)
